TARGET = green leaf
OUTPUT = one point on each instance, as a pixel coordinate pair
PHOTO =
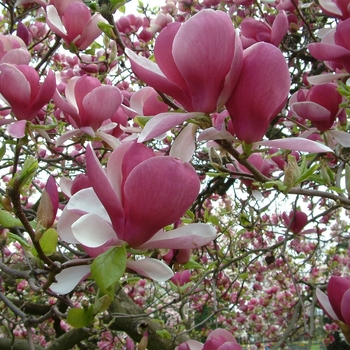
(30, 166)
(107, 29)
(2, 150)
(79, 318)
(191, 264)
(7, 220)
(48, 241)
(102, 303)
(142, 121)
(108, 268)
(18, 239)
(163, 333)
(306, 174)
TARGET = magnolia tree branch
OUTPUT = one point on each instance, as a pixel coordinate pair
(122, 309)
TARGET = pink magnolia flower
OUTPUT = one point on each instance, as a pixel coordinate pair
(13, 50)
(336, 8)
(72, 21)
(253, 31)
(219, 339)
(26, 95)
(337, 303)
(296, 220)
(87, 106)
(334, 47)
(198, 62)
(320, 105)
(88, 103)
(138, 195)
(261, 92)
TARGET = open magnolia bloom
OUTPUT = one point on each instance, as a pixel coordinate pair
(132, 202)
(337, 303)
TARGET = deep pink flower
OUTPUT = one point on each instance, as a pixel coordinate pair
(320, 105)
(261, 92)
(198, 62)
(138, 195)
(219, 339)
(13, 50)
(337, 303)
(72, 21)
(26, 95)
(88, 103)
(253, 31)
(296, 220)
(334, 47)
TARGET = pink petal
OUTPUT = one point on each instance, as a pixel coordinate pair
(163, 122)
(17, 129)
(69, 278)
(93, 231)
(184, 144)
(328, 52)
(150, 73)
(280, 27)
(185, 237)
(310, 110)
(17, 56)
(341, 136)
(67, 136)
(90, 32)
(337, 286)
(325, 304)
(261, 91)
(345, 307)
(326, 78)
(53, 20)
(296, 144)
(104, 190)
(151, 268)
(100, 104)
(219, 332)
(190, 345)
(18, 92)
(167, 189)
(198, 61)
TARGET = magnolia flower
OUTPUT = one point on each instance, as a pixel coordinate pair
(219, 339)
(261, 92)
(320, 105)
(13, 50)
(296, 220)
(337, 303)
(198, 62)
(131, 202)
(253, 31)
(334, 47)
(336, 8)
(87, 106)
(26, 95)
(72, 21)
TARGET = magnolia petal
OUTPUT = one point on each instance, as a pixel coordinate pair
(222, 333)
(296, 144)
(17, 129)
(66, 186)
(230, 346)
(150, 73)
(163, 122)
(17, 56)
(184, 145)
(311, 111)
(67, 136)
(326, 78)
(326, 305)
(190, 345)
(330, 6)
(109, 139)
(93, 231)
(341, 136)
(104, 190)
(69, 278)
(185, 237)
(157, 192)
(90, 32)
(337, 287)
(151, 268)
(345, 307)
(53, 20)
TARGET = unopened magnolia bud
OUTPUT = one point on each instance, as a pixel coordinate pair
(291, 173)
(6, 203)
